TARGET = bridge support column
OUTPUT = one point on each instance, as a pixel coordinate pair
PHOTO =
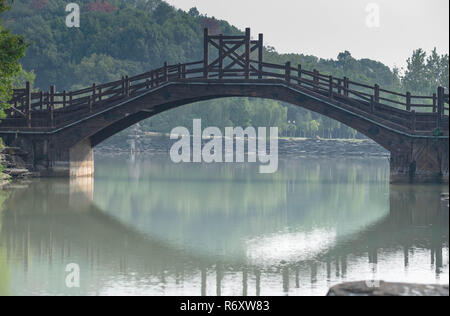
(51, 158)
(421, 161)
(82, 160)
(77, 161)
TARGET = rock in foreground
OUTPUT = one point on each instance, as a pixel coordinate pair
(371, 288)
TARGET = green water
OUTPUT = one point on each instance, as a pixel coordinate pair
(146, 226)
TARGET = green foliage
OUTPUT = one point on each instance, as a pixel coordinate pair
(425, 74)
(12, 48)
(119, 37)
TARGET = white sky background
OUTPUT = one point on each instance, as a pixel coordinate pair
(326, 27)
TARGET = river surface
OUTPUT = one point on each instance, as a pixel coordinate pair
(146, 226)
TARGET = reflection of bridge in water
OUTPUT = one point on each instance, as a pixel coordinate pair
(53, 237)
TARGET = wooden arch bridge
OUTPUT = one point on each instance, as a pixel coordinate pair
(58, 130)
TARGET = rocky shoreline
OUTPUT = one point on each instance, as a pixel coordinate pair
(380, 288)
(14, 168)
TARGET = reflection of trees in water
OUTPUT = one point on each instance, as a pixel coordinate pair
(4, 268)
(42, 227)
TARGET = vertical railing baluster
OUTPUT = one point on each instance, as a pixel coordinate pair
(205, 53)
(221, 50)
(434, 103)
(260, 55)
(28, 101)
(299, 70)
(64, 99)
(41, 100)
(166, 72)
(247, 53)
(408, 101)
(440, 102)
(330, 87)
(52, 105)
(346, 86)
(287, 72)
(93, 92)
(315, 79)
(377, 93)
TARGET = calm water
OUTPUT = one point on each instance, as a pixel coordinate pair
(149, 227)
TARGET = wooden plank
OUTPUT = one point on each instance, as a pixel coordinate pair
(247, 53)
(260, 55)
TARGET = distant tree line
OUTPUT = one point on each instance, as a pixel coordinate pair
(127, 37)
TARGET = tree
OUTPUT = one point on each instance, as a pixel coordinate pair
(12, 48)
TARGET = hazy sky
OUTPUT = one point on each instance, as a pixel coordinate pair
(326, 27)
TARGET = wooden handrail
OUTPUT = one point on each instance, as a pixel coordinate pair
(26, 102)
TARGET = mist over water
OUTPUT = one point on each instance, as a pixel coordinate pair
(146, 226)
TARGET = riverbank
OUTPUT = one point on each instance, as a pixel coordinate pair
(13, 166)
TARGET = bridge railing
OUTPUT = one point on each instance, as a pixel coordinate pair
(52, 108)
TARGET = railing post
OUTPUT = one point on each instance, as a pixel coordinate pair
(70, 98)
(184, 71)
(127, 86)
(315, 79)
(152, 78)
(260, 55)
(52, 105)
(434, 103)
(166, 72)
(287, 72)
(299, 70)
(413, 120)
(377, 93)
(100, 91)
(93, 92)
(330, 87)
(339, 86)
(205, 53)
(408, 101)
(28, 100)
(123, 85)
(41, 100)
(179, 71)
(247, 53)
(221, 56)
(346, 86)
(64, 99)
(440, 103)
